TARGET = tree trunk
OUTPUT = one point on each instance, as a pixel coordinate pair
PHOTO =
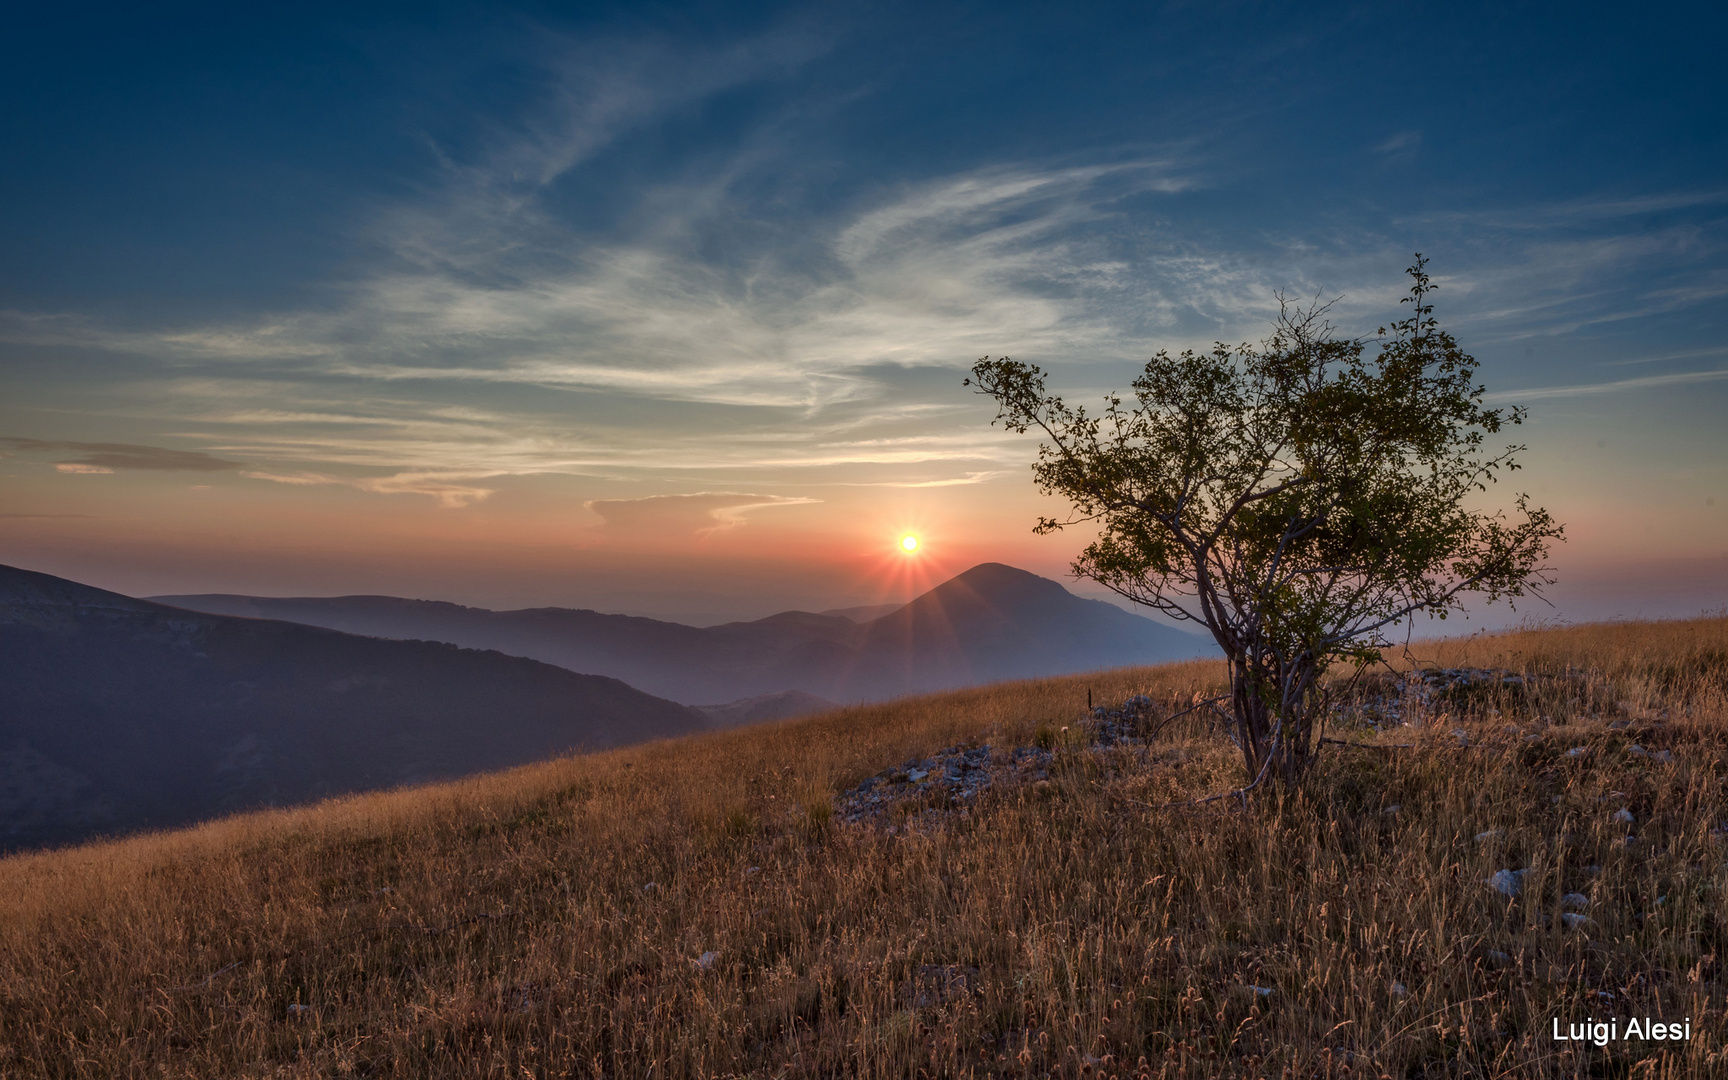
(1271, 722)
(1253, 716)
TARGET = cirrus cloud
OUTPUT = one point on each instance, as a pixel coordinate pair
(102, 457)
(700, 514)
(452, 490)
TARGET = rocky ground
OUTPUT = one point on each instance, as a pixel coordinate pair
(921, 791)
(1389, 702)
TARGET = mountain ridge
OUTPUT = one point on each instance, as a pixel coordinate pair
(118, 713)
(991, 622)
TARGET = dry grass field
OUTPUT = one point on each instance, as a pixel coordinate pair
(695, 909)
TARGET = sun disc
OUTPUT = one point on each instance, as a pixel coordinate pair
(909, 543)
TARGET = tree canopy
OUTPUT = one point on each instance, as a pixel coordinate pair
(1298, 498)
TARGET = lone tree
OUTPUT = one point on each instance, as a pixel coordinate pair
(1298, 499)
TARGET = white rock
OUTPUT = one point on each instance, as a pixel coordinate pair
(1575, 921)
(297, 1008)
(1508, 882)
(1263, 991)
(1491, 834)
(1637, 751)
(916, 775)
(1575, 900)
(1400, 990)
(1666, 757)
(1498, 958)
(1577, 751)
(1624, 816)
(706, 960)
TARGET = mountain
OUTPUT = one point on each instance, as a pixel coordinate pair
(117, 714)
(991, 622)
(865, 612)
(995, 622)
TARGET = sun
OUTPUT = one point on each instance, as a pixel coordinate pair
(908, 543)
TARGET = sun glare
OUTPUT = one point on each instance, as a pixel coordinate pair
(908, 544)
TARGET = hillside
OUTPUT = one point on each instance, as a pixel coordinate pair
(992, 622)
(714, 906)
(118, 714)
(786, 705)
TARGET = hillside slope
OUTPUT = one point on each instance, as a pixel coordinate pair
(991, 622)
(117, 714)
(708, 907)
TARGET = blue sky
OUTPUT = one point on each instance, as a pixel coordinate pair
(529, 304)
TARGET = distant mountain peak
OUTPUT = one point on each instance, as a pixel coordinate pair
(993, 621)
(996, 577)
(997, 570)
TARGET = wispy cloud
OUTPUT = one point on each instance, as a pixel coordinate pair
(955, 481)
(98, 457)
(1617, 386)
(1660, 358)
(701, 514)
(803, 361)
(452, 490)
(486, 213)
(294, 479)
(491, 338)
(947, 271)
(1400, 144)
(934, 277)
(1576, 212)
(1554, 283)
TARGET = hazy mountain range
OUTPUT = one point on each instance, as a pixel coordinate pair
(990, 623)
(118, 714)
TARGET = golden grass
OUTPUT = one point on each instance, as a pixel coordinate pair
(505, 925)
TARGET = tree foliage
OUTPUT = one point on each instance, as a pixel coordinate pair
(1298, 498)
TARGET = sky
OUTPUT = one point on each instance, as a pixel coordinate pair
(664, 308)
